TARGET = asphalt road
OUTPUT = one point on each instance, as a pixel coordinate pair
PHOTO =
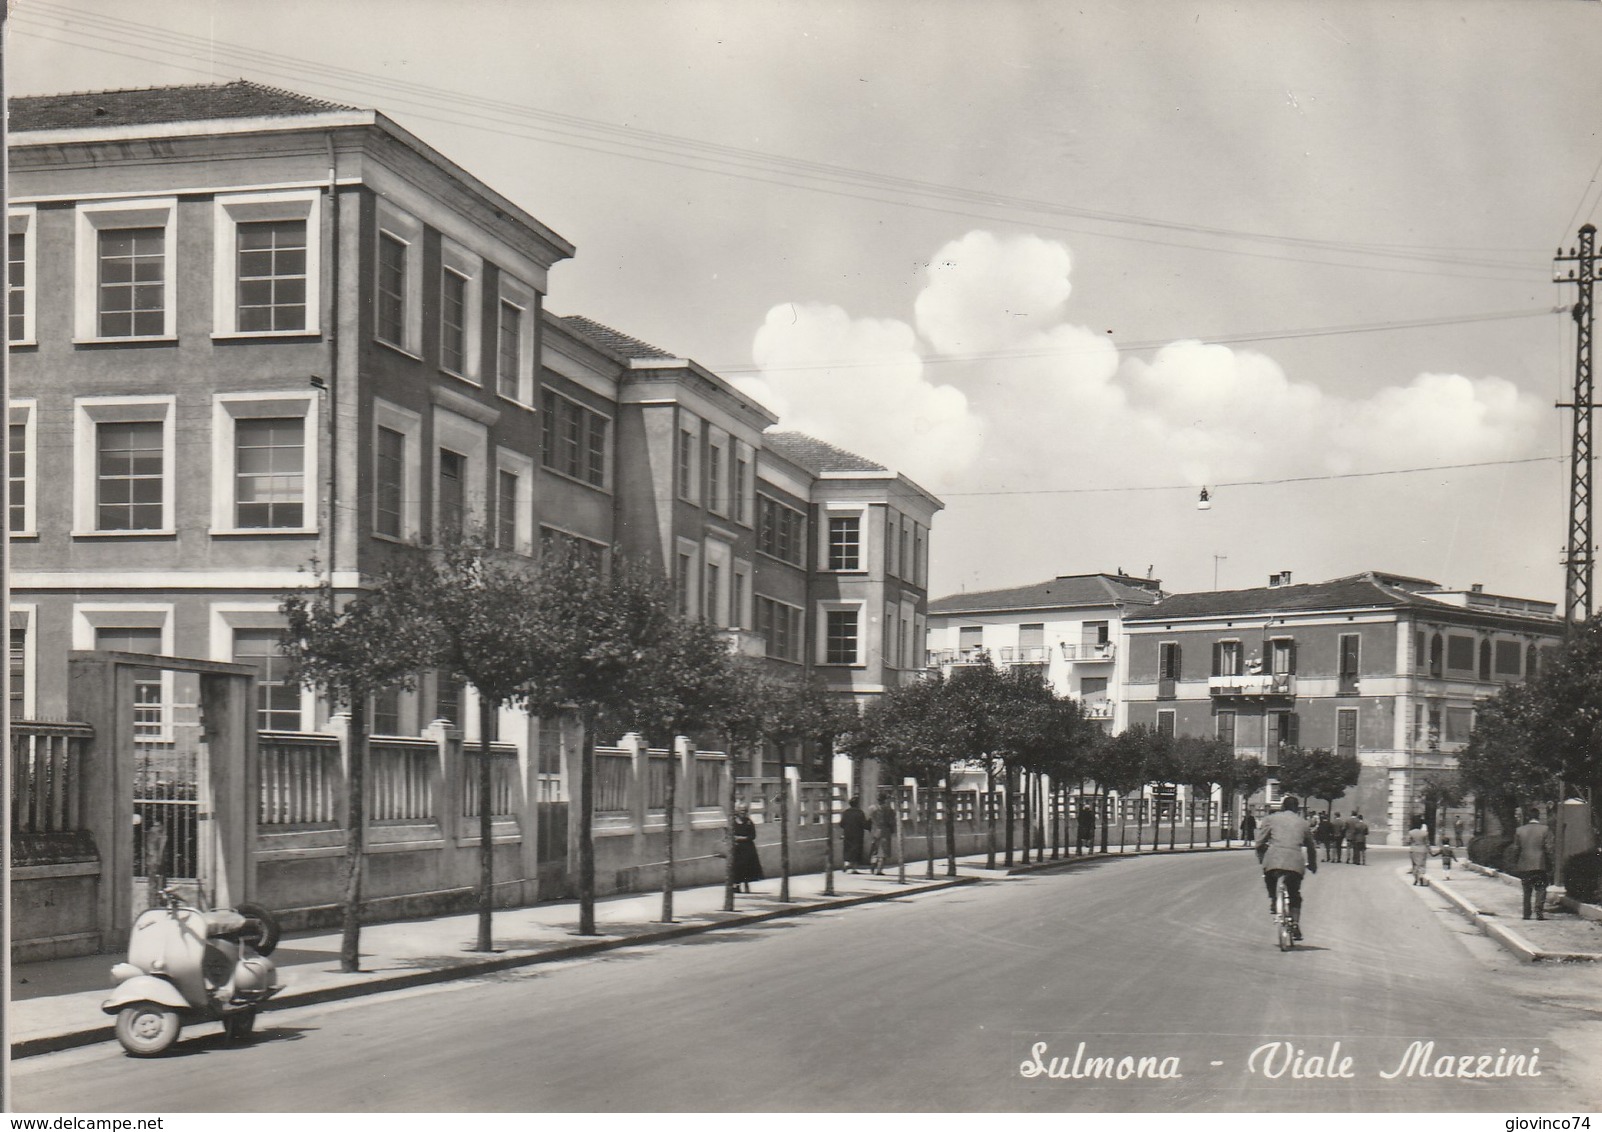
(941, 1003)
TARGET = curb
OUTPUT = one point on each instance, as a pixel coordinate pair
(468, 968)
(1507, 937)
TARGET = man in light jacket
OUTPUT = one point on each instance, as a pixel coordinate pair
(1285, 845)
(1532, 862)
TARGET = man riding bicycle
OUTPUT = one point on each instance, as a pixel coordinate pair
(1285, 847)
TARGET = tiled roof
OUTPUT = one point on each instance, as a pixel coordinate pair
(149, 105)
(1072, 591)
(614, 340)
(1360, 591)
(817, 456)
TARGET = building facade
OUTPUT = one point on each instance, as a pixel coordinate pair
(1383, 666)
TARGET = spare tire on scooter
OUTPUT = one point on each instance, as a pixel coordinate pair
(261, 929)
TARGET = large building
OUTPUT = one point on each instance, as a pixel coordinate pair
(256, 335)
(1386, 667)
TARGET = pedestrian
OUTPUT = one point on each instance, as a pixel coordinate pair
(1325, 833)
(1087, 827)
(1447, 854)
(1357, 834)
(1532, 863)
(884, 834)
(1418, 848)
(1457, 830)
(854, 826)
(1248, 826)
(747, 864)
(1337, 836)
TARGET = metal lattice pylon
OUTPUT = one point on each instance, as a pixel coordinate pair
(1578, 561)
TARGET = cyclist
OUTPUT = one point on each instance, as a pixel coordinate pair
(1285, 846)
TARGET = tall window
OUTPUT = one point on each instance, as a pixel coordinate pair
(391, 289)
(714, 480)
(133, 290)
(453, 321)
(845, 542)
(891, 566)
(737, 601)
(149, 708)
(741, 470)
(17, 473)
(1165, 723)
(18, 660)
(685, 564)
(780, 626)
(709, 610)
(452, 492)
(1168, 660)
(1227, 660)
(687, 483)
(574, 439)
(1346, 731)
(781, 530)
(447, 698)
(129, 476)
(272, 275)
(1350, 645)
(386, 712)
(390, 486)
(1226, 728)
(509, 350)
(277, 698)
(17, 284)
(840, 641)
(269, 472)
(506, 511)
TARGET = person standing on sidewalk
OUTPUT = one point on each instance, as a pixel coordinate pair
(1357, 834)
(1457, 830)
(1448, 854)
(1087, 826)
(884, 834)
(747, 864)
(854, 826)
(1248, 826)
(1418, 848)
(1532, 864)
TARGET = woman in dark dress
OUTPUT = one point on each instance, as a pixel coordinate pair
(747, 865)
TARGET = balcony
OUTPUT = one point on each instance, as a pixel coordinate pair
(1258, 685)
(1097, 709)
(1087, 653)
(939, 658)
(1024, 654)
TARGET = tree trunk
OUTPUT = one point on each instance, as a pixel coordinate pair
(901, 835)
(784, 825)
(1173, 819)
(586, 826)
(990, 813)
(1028, 792)
(951, 830)
(1011, 796)
(828, 839)
(670, 801)
(928, 830)
(1106, 817)
(486, 843)
(350, 958)
(728, 832)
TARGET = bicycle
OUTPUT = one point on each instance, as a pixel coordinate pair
(1282, 914)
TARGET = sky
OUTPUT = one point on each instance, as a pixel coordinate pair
(1062, 264)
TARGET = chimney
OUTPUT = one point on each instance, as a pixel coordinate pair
(1280, 579)
(1477, 587)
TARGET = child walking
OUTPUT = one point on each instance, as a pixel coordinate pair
(1448, 855)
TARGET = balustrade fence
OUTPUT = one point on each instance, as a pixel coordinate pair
(47, 768)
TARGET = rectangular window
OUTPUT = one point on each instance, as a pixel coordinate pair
(741, 472)
(133, 289)
(277, 698)
(1227, 658)
(1350, 646)
(1459, 724)
(269, 472)
(447, 698)
(714, 480)
(129, 476)
(391, 289)
(1165, 723)
(1284, 656)
(685, 570)
(453, 321)
(781, 530)
(509, 350)
(1168, 660)
(1282, 733)
(390, 486)
(574, 440)
(845, 543)
(1091, 687)
(1225, 728)
(17, 285)
(970, 639)
(1508, 657)
(271, 275)
(506, 511)
(840, 644)
(891, 567)
(149, 704)
(549, 752)
(709, 610)
(17, 473)
(452, 501)
(386, 712)
(780, 626)
(686, 464)
(1460, 653)
(737, 601)
(1346, 731)
(18, 661)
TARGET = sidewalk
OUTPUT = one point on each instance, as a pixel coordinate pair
(1494, 902)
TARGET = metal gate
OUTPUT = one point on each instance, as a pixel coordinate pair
(168, 765)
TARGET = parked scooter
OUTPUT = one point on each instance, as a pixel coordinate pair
(188, 964)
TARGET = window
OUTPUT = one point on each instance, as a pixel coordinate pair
(1485, 660)
(509, 352)
(1282, 732)
(130, 476)
(266, 264)
(713, 587)
(840, 636)
(277, 698)
(1224, 728)
(1459, 724)
(1165, 723)
(272, 276)
(1531, 662)
(1436, 645)
(1460, 653)
(390, 482)
(1282, 656)
(1346, 731)
(891, 566)
(780, 626)
(452, 497)
(689, 478)
(716, 500)
(1093, 687)
(149, 703)
(781, 530)
(453, 321)
(549, 751)
(970, 639)
(845, 542)
(22, 471)
(1227, 658)
(269, 472)
(398, 280)
(1350, 656)
(133, 283)
(572, 550)
(573, 440)
(686, 570)
(737, 599)
(447, 698)
(21, 274)
(1168, 660)
(386, 712)
(742, 476)
(391, 289)
(506, 533)
(1508, 655)
(21, 671)
(1420, 653)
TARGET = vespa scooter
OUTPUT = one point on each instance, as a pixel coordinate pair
(188, 964)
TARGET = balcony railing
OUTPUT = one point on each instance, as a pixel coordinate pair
(1088, 652)
(1024, 654)
(1097, 709)
(939, 657)
(1253, 684)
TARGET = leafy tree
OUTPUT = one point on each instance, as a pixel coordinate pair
(1317, 773)
(905, 729)
(350, 647)
(1203, 764)
(808, 714)
(1566, 725)
(747, 718)
(1501, 765)
(1245, 776)
(1118, 765)
(1438, 789)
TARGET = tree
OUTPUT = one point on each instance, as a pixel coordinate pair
(1203, 764)
(746, 719)
(1500, 765)
(905, 729)
(1118, 764)
(1317, 773)
(1565, 727)
(1438, 789)
(479, 605)
(1245, 776)
(350, 647)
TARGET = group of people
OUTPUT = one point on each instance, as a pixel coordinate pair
(1343, 839)
(868, 839)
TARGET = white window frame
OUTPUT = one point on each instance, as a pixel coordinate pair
(741, 609)
(521, 466)
(718, 488)
(23, 221)
(407, 230)
(25, 411)
(88, 414)
(89, 616)
(1173, 722)
(832, 511)
(409, 425)
(229, 616)
(457, 260)
(689, 548)
(743, 510)
(29, 613)
(228, 213)
(689, 487)
(227, 410)
(515, 293)
(821, 652)
(469, 439)
(95, 217)
(720, 554)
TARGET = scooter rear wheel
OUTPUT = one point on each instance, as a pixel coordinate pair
(261, 930)
(147, 1029)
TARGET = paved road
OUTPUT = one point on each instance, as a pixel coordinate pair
(938, 1003)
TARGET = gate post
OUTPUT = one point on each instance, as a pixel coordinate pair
(228, 710)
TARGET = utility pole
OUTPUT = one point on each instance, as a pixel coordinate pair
(1578, 561)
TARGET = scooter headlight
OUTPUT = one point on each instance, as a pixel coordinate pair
(122, 972)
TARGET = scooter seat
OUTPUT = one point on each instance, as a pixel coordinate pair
(223, 922)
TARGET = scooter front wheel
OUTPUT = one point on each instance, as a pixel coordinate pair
(146, 1029)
